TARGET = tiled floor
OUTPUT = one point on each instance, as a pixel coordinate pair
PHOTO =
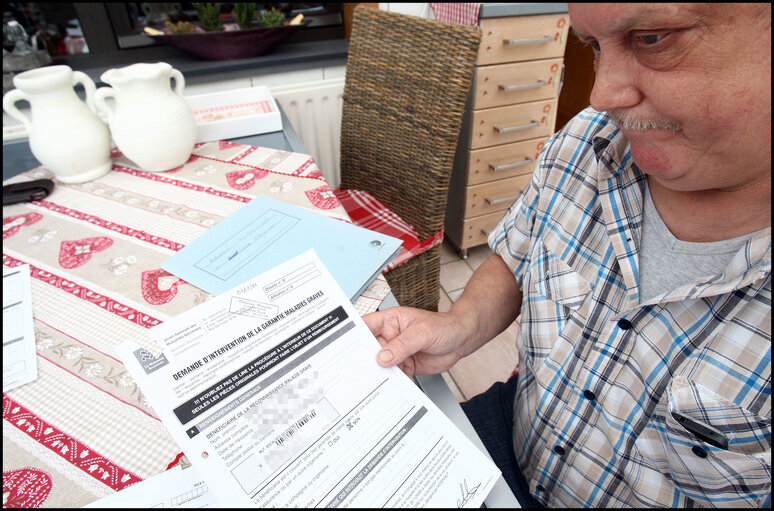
(494, 361)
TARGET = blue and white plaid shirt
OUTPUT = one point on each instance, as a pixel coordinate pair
(601, 372)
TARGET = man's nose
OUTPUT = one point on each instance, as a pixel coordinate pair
(615, 85)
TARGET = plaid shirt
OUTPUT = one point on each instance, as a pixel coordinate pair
(601, 372)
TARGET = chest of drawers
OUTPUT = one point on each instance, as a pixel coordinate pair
(511, 113)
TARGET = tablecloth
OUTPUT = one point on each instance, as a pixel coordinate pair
(83, 430)
(464, 13)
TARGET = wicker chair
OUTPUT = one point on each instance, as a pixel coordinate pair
(406, 86)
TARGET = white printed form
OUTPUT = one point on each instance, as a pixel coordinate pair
(172, 488)
(19, 354)
(273, 391)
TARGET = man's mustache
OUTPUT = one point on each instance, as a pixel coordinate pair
(632, 122)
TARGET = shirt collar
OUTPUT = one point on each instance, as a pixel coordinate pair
(611, 148)
(610, 145)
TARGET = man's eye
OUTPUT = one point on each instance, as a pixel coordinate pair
(650, 39)
(594, 44)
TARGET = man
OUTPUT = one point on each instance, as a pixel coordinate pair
(639, 259)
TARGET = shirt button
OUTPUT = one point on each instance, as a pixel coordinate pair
(558, 449)
(698, 451)
(624, 324)
(589, 395)
(540, 488)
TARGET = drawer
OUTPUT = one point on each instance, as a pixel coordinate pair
(518, 82)
(520, 38)
(503, 161)
(513, 123)
(494, 196)
(476, 230)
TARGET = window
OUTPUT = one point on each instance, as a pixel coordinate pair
(107, 34)
(55, 26)
(129, 19)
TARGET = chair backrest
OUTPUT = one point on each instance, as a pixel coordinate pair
(407, 82)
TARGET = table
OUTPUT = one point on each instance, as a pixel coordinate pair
(83, 430)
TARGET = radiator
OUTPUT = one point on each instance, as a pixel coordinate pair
(314, 110)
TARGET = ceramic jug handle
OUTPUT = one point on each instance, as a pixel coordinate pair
(88, 86)
(179, 81)
(100, 104)
(9, 105)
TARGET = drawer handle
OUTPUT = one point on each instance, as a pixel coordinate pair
(486, 233)
(500, 201)
(522, 86)
(536, 40)
(508, 129)
(505, 166)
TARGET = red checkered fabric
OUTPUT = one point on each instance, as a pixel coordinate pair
(464, 13)
(367, 212)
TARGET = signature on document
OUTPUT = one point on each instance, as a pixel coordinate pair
(467, 493)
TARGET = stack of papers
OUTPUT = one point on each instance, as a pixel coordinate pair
(266, 232)
(273, 392)
(272, 388)
(19, 355)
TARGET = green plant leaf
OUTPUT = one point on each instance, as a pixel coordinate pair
(209, 16)
(243, 13)
(272, 18)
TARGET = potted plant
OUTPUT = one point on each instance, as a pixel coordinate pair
(246, 36)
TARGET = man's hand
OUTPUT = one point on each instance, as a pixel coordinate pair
(423, 342)
(416, 340)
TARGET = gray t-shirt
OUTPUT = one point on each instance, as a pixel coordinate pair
(666, 262)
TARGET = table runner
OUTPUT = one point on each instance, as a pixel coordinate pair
(83, 430)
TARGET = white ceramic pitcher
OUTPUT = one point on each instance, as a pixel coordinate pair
(151, 123)
(64, 135)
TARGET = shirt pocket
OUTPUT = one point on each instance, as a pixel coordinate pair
(556, 280)
(554, 292)
(709, 475)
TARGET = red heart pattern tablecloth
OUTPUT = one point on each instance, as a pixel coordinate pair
(83, 430)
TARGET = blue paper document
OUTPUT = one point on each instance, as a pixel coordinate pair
(266, 232)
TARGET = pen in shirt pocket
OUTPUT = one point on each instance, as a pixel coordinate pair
(707, 433)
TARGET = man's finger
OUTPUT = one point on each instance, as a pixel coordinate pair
(386, 358)
(397, 350)
(375, 322)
